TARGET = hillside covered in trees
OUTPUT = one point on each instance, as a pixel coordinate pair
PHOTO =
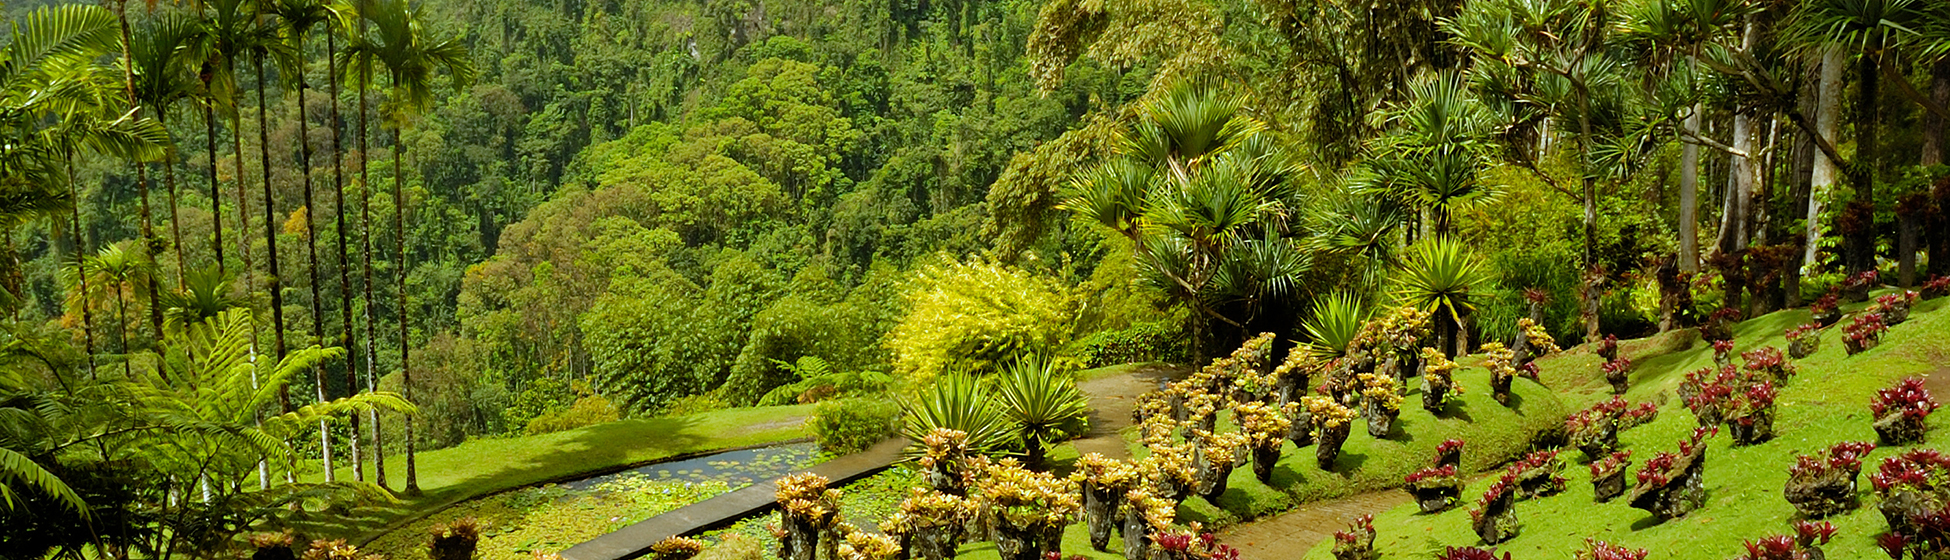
(249, 243)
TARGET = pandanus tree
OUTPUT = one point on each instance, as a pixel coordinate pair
(412, 56)
(1431, 157)
(1559, 62)
(1042, 401)
(1202, 191)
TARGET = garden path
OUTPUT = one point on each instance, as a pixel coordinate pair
(1292, 534)
(1111, 399)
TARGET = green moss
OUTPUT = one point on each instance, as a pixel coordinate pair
(1825, 404)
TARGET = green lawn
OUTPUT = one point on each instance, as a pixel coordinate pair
(1826, 403)
(487, 466)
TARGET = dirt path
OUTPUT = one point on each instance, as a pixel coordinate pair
(1111, 399)
(1292, 534)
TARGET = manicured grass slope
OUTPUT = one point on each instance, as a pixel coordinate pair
(1826, 403)
(487, 466)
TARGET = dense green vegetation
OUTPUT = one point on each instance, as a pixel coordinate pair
(260, 259)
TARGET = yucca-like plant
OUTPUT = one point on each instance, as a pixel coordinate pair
(1336, 320)
(1041, 402)
(1443, 277)
(957, 402)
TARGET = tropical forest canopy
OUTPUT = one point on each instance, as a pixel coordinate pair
(497, 217)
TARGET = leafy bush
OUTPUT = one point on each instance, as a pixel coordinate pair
(587, 411)
(1148, 342)
(818, 381)
(852, 425)
(972, 316)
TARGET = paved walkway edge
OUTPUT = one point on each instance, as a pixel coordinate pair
(635, 540)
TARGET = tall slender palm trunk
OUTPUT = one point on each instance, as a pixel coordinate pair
(141, 174)
(216, 201)
(244, 249)
(311, 251)
(405, 349)
(175, 219)
(365, 231)
(271, 245)
(1862, 236)
(345, 275)
(81, 252)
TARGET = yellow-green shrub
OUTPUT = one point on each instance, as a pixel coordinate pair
(971, 316)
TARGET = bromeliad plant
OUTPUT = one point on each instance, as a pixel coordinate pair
(1767, 362)
(1618, 373)
(1750, 413)
(1471, 553)
(1895, 307)
(1104, 482)
(1900, 412)
(1820, 486)
(1357, 542)
(1706, 392)
(1025, 510)
(809, 511)
(1538, 474)
(1827, 309)
(1601, 550)
(1294, 375)
(673, 548)
(1719, 325)
(1911, 486)
(1494, 518)
(1804, 340)
(1608, 476)
(944, 460)
(1937, 287)
(1670, 484)
(1863, 333)
(1608, 348)
(1266, 429)
(1595, 430)
(1381, 399)
(1193, 544)
(1439, 385)
(1449, 452)
(1216, 455)
(929, 524)
(1503, 370)
(1534, 342)
(1145, 516)
(1435, 488)
(1723, 352)
(1331, 425)
(861, 545)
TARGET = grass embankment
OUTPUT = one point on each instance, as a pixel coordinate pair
(488, 466)
(1826, 403)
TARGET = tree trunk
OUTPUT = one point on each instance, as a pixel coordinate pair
(405, 349)
(345, 274)
(311, 268)
(81, 275)
(1828, 111)
(216, 209)
(1689, 196)
(1862, 239)
(244, 250)
(1939, 225)
(175, 221)
(365, 234)
(141, 175)
(271, 244)
(1742, 170)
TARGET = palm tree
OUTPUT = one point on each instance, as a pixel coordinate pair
(364, 77)
(1195, 185)
(149, 244)
(162, 52)
(299, 16)
(342, 13)
(1442, 277)
(1432, 155)
(1672, 35)
(412, 58)
(118, 272)
(1868, 29)
(1335, 321)
(1042, 402)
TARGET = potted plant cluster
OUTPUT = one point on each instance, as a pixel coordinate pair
(1438, 487)
(1767, 362)
(1266, 429)
(1449, 452)
(930, 524)
(1103, 482)
(1900, 412)
(1723, 352)
(1856, 288)
(1936, 287)
(1025, 511)
(862, 545)
(1471, 553)
(1895, 307)
(1538, 474)
(1706, 390)
(1595, 430)
(1863, 333)
(1618, 373)
(1495, 518)
(944, 453)
(1193, 544)
(1608, 476)
(1357, 542)
(1911, 486)
(1750, 413)
(1670, 485)
(1719, 325)
(1400, 335)
(1804, 340)
(1331, 425)
(808, 512)
(1822, 485)
(1503, 370)
(1601, 550)
(1145, 516)
(1608, 348)
(1805, 544)
(1438, 381)
(1215, 455)
(1534, 341)
(1827, 309)
(1381, 399)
